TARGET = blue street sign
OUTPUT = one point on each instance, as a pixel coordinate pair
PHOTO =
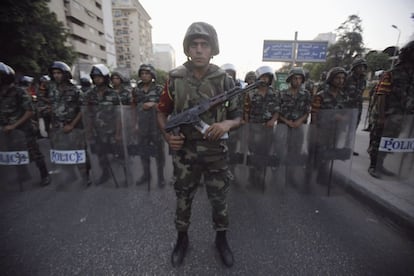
(312, 51)
(277, 50)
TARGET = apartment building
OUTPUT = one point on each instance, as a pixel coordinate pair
(85, 23)
(133, 37)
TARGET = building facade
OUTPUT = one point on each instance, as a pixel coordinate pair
(164, 57)
(85, 23)
(133, 37)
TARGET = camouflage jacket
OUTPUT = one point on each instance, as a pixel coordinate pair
(260, 109)
(65, 101)
(293, 107)
(398, 87)
(125, 95)
(354, 89)
(14, 102)
(152, 95)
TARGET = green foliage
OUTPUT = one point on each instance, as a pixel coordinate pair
(32, 37)
(377, 61)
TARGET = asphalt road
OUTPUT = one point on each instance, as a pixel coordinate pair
(130, 231)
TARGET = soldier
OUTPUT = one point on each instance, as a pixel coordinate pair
(146, 97)
(103, 129)
(355, 85)
(231, 70)
(198, 153)
(65, 103)
(119, 83)
(332, 97)
(395, 96)
(16, 109)
(295, 103)
(86, 84)
(322, 82)
(309, 83)
(43, 104)
(261, 109)
(250, 77)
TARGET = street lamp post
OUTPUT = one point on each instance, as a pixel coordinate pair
(396, 46)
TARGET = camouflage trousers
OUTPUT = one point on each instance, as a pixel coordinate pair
(189, 165)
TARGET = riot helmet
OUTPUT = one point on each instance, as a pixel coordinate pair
(296, 71)
(265, 70)
(44, 78)
(6, 74)
(85, 82)
(62, 67)
(201, 30)
(100, 70)
(149, 68)
(333, 72)
(230, 69)
(26, 81)
(405, 52)
(357, 62)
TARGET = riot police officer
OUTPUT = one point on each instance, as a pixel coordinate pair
(16, 109)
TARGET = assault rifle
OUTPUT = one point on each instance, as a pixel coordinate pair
(192, 115)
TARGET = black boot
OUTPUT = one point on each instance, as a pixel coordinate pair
(224, 249)
(180, 249)
(44, 174)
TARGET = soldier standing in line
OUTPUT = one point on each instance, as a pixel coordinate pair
(395, 98)
(104, 130)
(85, 84)
(355, 84)
(332, 97)
(119, 83)
(146, 97)
(43, 103)
(16, 109)
(196, 153)
(65, 104)
(295, 105)
(261, 111)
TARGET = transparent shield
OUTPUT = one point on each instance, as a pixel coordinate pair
(68, 159)
(148, 153)
(331, 143)
(16, 171)
(105, 145)
(396, 150)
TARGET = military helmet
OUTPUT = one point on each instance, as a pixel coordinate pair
(119, 75)
(265, 70)
(85, 82)
(25, 81)
(100, 70)
(6, 74)
(405, 51)
(44, 78)
(201, 30)
(250, 75)
(228, 67)
(296, 71)
(357, 62)
(149, 68)
(333, 72)
(60, 65)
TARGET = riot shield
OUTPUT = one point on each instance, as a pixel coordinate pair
(147, 150)
(15, 172)
(290, 150)
(105, 145)
(68, 159)
(331, 144)
(396, 151)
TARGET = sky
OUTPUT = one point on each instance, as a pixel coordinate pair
(242, 26)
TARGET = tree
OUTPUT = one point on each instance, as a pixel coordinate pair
(377, 61)
(32, 37)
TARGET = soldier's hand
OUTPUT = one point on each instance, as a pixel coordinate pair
(9, 128)
(175, 142)
(216, 131)
(148, 105)
(67, 128)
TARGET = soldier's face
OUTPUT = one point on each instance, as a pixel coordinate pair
(116, 81)
(360, 70)
(338, 81)
(98, 80)
(296, 81)
(145, 76)
(57, 75)
(200, 52)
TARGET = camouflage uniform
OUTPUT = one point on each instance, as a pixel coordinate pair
(199, 156)
(149, 136)
(354, 88)
(14, 102)
(397, 89)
